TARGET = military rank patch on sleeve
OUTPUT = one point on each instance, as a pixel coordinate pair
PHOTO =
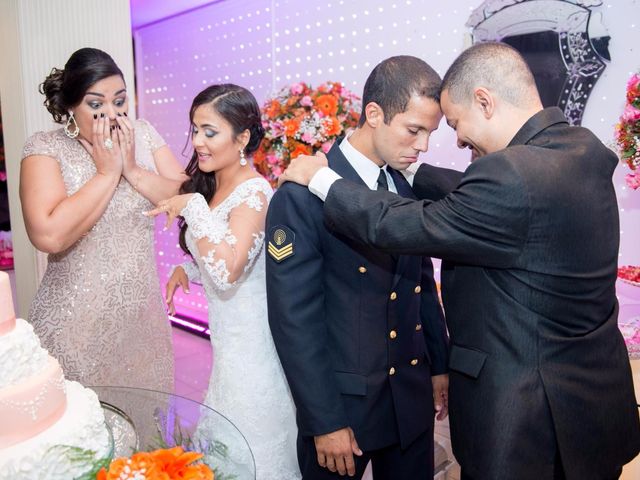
(281, 242)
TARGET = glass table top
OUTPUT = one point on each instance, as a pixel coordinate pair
(145, 420)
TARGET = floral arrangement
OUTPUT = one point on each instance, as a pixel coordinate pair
(302, 120)
(6, 251)
(629, 274)
(163, 464)
(627, 132)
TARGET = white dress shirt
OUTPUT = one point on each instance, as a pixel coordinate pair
(364, 167)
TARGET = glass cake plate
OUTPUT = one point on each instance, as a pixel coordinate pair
(146, 420)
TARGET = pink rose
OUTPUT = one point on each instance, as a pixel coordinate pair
(297, 88)
(307, 137)
(306, 101)
(633, 180)
(633, 82)
(272, 159)
(630, 114)
(277, 128)
(326, 146)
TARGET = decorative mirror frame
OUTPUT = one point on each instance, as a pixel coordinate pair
(495, 20)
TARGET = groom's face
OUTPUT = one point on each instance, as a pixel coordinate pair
(399, 143)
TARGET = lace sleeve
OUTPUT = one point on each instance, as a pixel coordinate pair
(227, 250)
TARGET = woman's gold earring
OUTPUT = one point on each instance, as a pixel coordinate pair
(71, 121)
(243, 159)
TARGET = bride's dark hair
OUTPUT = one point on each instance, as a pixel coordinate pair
(236, 105)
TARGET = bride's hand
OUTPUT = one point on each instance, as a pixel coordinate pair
(172, 207)
(178, 278)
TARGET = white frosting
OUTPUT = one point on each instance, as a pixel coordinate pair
(82, 425)
(21, 355)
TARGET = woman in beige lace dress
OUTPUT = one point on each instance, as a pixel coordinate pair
(83, 188)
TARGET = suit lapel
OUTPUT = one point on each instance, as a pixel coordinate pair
(404, 190)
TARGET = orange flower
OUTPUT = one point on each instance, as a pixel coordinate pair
(272, 109)
(299, 149)
(176, 463)
(167, 464)
(327, 105)
(142, 463)
(332, 126)
(291, 126)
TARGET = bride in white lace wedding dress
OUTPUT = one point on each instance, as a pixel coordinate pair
(224, 206)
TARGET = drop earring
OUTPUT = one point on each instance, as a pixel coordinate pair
(243, 159)
(67, 128)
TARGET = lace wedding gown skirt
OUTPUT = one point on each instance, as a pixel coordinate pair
(247, 382)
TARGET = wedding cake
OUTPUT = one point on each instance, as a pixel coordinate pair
(48, 424)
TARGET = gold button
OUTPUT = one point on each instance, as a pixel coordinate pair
(392, 371)
(393, 334)
(393, 295)
(418, 289)
(362, 269)
(414, 361)
(418, 327)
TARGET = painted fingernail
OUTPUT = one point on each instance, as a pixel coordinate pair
(95, 115)
(102, 115)
(119, 114)
(125, 114)
(119, 127)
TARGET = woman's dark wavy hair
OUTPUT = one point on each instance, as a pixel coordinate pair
(65, 88)
(236, 105)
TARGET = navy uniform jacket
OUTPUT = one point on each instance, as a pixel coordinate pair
(359, 332)
(537, 365)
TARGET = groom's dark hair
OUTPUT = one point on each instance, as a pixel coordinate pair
(394, 81)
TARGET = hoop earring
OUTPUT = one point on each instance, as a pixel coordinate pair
(243, 159)
(71, 120)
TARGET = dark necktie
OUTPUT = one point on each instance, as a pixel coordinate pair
(382, 181)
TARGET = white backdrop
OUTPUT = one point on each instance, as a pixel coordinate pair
(266, 44)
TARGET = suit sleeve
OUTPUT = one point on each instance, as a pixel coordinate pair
(435, 183)
(484, 221)
(433, 323)
(295, 295)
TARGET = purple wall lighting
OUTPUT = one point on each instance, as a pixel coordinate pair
(264, 45)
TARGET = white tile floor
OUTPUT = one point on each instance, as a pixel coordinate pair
(193, 356)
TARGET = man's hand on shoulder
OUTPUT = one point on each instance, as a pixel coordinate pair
(335, 451)
(302, 169)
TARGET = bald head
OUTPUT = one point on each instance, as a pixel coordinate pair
(495, 66)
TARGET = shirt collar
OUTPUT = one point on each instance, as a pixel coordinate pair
(364, 167)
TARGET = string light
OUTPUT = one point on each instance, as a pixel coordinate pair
(263, 48)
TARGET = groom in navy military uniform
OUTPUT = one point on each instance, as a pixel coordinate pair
(360, 333)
